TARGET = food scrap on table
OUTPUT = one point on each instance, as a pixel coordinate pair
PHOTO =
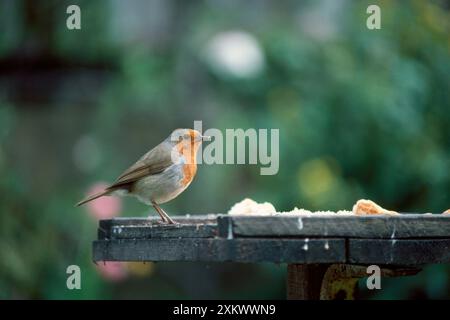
(251, 207)
(368, 207)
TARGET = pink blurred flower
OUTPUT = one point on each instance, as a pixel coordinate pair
(103, 207)
(113, 271)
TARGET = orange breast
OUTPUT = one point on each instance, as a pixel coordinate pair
(189, 171)
(189, 150)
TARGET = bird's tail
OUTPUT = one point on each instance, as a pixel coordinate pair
(93, 197)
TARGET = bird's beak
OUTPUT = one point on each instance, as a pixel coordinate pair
(206, 138)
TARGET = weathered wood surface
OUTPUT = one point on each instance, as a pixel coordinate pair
(331, 282)
(155, 220)
(145, 228)
(326, 255)
(386, 240)
(303, 281)
(221, 250)
(159, 231)
(399, 252)
(374, 227)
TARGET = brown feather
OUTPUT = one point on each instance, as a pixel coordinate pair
(93, 197)
(153, 162)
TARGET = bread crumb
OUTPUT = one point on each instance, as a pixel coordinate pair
(368, 207)
(297, 211)
(361, 207)
(249, 206)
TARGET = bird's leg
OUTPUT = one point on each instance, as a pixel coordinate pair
(162, 213)
(166, 216)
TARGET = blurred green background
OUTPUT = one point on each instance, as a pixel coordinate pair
(361, 114)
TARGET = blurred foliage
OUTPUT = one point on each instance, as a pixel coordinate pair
(362, 114)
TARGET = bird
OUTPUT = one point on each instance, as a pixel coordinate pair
(161, 174)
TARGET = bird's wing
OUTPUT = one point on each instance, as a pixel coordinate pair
(155, 161)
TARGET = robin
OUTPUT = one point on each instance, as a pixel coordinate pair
(161, 174)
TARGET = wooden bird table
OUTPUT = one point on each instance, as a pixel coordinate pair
(326, 255)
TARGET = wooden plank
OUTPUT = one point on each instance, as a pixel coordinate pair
(304, 281)
(374, 227)
(398, 252)
(162, 231)
(145, 228)
(155, 220)
(237, 250)
(340, 280)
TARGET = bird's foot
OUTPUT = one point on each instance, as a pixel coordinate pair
(164, 216)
